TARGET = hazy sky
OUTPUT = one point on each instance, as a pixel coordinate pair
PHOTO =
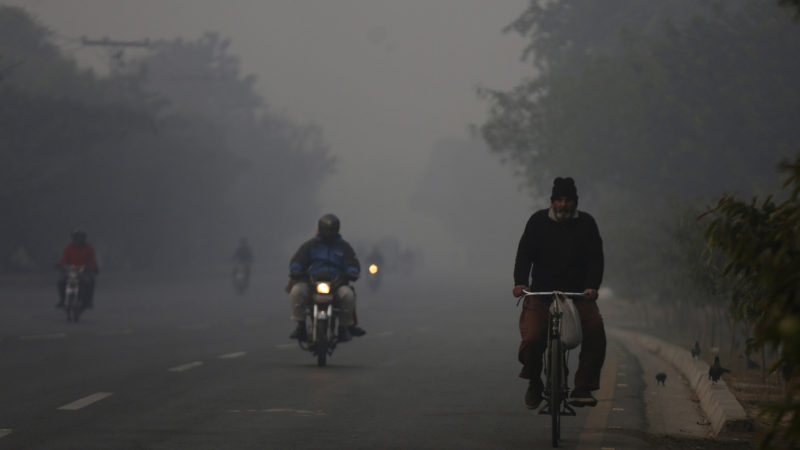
(385, 80)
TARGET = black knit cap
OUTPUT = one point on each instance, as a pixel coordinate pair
(564, 187)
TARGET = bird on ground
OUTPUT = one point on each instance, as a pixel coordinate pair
(696, 350)
(661, 377)
(716, 370)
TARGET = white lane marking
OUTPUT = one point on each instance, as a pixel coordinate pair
(34, 337)
(299, 412)
(285, 346)
(384, 334)
(232, 355)
(115, 332)
(5, 432)
(186, 366)
(194, 326)
(254, 320)
(85, 401)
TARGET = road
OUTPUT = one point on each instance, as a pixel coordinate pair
(187, 364)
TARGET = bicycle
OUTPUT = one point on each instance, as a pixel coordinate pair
(556, 388)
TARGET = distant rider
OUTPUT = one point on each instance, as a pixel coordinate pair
(78, 253)
(326, 252)
(375, 257)
(243, 256)
(563, 248)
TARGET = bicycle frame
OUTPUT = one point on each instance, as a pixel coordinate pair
(556, 388)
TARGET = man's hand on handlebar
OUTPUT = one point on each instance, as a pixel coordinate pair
(591, 294)
(518, 290)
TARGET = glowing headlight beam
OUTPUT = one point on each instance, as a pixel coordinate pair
(373, 269)
(323, 288)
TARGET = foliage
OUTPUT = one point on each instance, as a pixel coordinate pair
(675, 118)
(566, 34)
(762, 241)
(166, 162)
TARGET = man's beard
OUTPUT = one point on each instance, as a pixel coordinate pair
(564, 213)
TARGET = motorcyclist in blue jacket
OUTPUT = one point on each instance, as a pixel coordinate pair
(326, 252)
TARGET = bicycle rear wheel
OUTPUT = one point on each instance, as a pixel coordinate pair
(556, 388)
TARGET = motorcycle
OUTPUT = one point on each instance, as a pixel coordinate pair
(324, 313)
(240, 278)
(73, 298)
(374, 277)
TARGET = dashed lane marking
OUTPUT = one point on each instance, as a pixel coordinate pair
(298, 412)
(5, 432)
(232, 355)
(186, 366)
(115, 332)
(194, 327)
(597, 418)
(285, 346)
(85, 401)
(618, 409)
(37, 337)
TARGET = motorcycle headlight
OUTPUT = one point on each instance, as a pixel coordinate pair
(323, 288)
(373, 269)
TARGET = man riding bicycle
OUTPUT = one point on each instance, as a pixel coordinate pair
(560, 250)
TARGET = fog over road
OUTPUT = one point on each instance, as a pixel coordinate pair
(188, 364)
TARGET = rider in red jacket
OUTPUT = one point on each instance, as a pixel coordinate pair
(79, 253)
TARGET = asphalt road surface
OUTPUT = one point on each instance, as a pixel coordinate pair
(188, 364)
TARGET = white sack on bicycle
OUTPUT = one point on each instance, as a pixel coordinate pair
(571, 334)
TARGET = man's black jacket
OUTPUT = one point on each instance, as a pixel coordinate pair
(565, 256)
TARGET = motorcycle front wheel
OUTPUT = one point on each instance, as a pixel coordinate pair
(321, 343)
(71, 307)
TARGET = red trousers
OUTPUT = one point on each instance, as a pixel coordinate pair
(533, 327)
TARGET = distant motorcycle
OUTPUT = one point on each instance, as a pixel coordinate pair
(374, 277)
(73, 297)
(324, 314)
(241, 278)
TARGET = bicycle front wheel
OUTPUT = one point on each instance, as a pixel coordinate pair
(556, 388)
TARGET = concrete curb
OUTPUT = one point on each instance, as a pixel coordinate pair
(720, 406)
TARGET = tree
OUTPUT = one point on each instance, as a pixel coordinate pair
(677, 118)
(761, 239)
(159, 168)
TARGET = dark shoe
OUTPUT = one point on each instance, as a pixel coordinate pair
(344, 334)
(356, 331)
(581, 397)
(533, 396)
(299, 332)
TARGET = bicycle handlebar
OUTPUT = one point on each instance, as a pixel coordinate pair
(569, 294)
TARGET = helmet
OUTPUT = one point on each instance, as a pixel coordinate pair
(328, 225)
